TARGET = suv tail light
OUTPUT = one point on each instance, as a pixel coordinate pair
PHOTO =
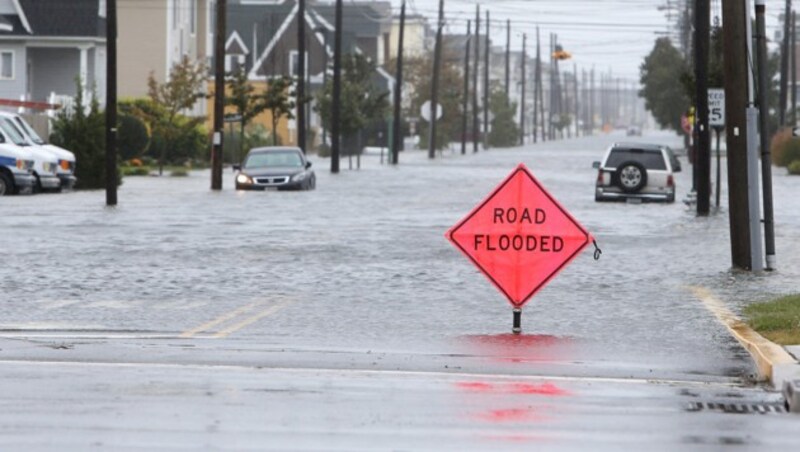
(670, 181)
(600, 177)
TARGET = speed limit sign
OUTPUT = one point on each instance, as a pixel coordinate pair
(716, 107)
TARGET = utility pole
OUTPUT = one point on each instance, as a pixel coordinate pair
(437, 56)
(734, 16)
(702, 36)
(794, 71)
(465, 102)
(486, 105)
(219, 96)
(508, 58)
(541, 86)
(784, 63)
(766, 160)
(397, 134)
(476, 128)
(337, 89)
(575, 95)
(592, 101)
(111, 103)
(537, 88)
(522, 100)
(301, 75)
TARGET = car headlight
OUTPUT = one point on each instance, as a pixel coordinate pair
(298, 177)
(243, 179)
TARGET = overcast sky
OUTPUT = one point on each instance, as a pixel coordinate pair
(605, 34)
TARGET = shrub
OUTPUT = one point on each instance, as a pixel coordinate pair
(135, 170)
(133, 136)
(785, 148)
(179, 173)
(794, 168)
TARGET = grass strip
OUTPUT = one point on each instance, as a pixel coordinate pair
(777, 320)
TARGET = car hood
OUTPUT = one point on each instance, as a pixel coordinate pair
(277, 171)
(61, 153)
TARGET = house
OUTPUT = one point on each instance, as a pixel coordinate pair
(46, 46)
(154, 35)
(418, 38)
(262, 40)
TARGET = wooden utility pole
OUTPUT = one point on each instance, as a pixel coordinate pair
(476, 128)
(486, 105)
(702, 36)
(437, 57)
(734, 17)
(301, 75)
(522, 98)
(508, 57)
(763, 106)
(575, 95)
(337, 89)
(784, 64)
(465, 102)
(219, 96)
(542, 128)
(537, 82)
(397, 134)
(793, 109)
(111, 103)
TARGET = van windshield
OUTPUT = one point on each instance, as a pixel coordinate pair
(28, 130)
(11, 130)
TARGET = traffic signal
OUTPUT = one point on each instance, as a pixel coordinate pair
(561, 54)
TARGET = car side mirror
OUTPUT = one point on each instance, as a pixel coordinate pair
(596, 165)
(308, 165)
(237, 167)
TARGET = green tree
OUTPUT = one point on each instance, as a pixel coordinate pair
(362, 102)
(133, 138)
(505, 132)
(82, 131)
(277, 99)
(418, 77)
(661, 77)
(245, 100)
(186, 85)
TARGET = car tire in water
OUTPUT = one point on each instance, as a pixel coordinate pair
(6, 187)
(312, 183)
(630, 176)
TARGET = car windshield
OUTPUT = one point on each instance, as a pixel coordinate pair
(651, 159)
(11, 130)
(29, 131)
(283, 159)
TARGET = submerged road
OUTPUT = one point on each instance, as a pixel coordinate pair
(342, 318)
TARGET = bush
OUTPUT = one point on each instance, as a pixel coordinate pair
(785, 148)
(82, 131)
(133, 136)
(324, 150)
(179, 173)
(135, 170)
(794, 168)
(255, 136)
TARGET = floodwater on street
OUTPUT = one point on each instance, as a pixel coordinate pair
(358, 274)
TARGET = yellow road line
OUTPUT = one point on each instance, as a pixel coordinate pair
(765, 353)
(219, 320)
(236, 327)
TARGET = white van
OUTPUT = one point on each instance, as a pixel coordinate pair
(45, 164)
(16, 165)
(66, 159)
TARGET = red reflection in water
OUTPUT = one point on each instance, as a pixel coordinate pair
(510, 415)
(547, 389)
(519, 347)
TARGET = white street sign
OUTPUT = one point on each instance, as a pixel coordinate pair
(425, 111)
(716, 107)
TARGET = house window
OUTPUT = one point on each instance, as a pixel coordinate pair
(294, 63)
(233, 63)
(102, 8)
(193, 16)
(6, 65)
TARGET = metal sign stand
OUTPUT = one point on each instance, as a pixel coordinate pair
(517, 328)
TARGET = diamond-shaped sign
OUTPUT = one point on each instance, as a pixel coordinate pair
(519, 237)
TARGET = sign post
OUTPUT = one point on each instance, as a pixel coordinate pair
(716, 120)
(519, 237)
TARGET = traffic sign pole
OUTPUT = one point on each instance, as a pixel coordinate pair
(517, 328)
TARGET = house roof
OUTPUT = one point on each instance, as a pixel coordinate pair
(74, 18)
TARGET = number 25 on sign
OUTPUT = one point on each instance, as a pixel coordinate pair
(520, 237)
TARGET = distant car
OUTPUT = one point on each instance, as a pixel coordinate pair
(278, 167)
(635, 171)
(634, 131)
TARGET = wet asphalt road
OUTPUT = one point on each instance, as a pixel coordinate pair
(347, 304)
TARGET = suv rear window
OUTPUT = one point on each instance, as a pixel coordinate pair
(653, 160)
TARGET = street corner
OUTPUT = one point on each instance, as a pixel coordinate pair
(775, 363)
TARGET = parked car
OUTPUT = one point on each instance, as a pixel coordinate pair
(66, 159)
(44, 163)
(635, 171)
(16, 170)
(633, 131)
(278, 167)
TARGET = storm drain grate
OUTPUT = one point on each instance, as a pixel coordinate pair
(738, 408)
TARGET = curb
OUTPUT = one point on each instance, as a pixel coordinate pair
(774, 363)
